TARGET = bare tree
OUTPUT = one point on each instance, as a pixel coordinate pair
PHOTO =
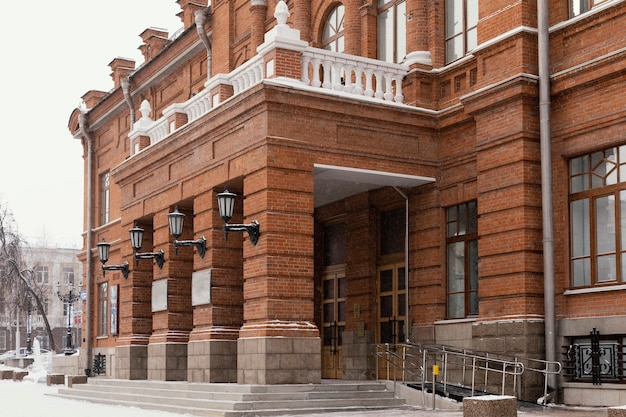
(18, 287)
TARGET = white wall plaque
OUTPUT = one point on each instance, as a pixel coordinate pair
(201, 287)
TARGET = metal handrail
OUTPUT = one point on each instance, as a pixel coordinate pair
(415, 359)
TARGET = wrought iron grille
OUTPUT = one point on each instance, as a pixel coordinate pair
(595, 358)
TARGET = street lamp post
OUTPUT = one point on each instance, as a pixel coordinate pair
(68, 299)
(29, 330)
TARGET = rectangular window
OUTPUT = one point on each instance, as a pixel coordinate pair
(461, 28)
(578, 7)
(598, 218)
(462, 260)
(105, 198)
(68, 276)
(103, 309)
(3, 340)
(391, 24)
(41, 272)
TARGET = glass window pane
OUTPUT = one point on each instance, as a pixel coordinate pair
(400, 32)
(329, 289)
(456, 267)
(456, 306)
(401, 279)
(606, 268)
(341, 283)
(385, 36)
(401, 304)
(472, 13)
(328, 336)
(579, 165)
(473, 265)
(473, 303)
(472, 226)
(454, 17)
(329, 312)
(581, 272)
(454, 48)
(462, 219)
(341, 311)
(623, 275)
(605, 224)
(579, 183)
(472, 39)
(580, 228)
(622, 216)
(386, 306)
(386, 280)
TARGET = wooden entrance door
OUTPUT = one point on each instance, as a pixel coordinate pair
(333, 321)
(391, 310)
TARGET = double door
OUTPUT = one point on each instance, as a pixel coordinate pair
(333, 321)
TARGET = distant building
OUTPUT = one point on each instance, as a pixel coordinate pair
(394, 154)
(55, 270)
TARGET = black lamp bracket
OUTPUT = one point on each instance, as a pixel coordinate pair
(200, 244)
(253, 230)
(124, 268)
(159, 257)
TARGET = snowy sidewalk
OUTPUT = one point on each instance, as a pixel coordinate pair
(29, 399)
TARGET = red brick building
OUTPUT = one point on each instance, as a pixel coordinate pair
(391, 153)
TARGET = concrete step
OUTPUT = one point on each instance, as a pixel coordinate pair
(235, 400)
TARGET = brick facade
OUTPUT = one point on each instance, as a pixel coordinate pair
(466, 131)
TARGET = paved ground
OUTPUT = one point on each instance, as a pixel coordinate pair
(529, 411)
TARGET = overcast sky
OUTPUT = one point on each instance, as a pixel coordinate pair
(52, 53)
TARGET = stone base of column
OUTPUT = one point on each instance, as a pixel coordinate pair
(212, 361)
(167, 361)
(279, 360)
(131, 361)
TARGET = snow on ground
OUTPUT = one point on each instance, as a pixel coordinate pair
(30, 399)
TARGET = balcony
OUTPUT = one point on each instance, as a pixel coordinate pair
(319, 70)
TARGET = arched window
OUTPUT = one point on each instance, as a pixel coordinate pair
(391, 30)
(332, 36)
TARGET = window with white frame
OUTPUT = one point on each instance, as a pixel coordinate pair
(42, 274)
(462, 260)
(105, 198)
(578, 7)
(598, 218)
(461, 28)
(103, 309)
(391, 23)
(68, 275)
(332, 34)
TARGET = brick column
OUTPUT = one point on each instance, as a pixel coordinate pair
(258, 12)
(135, 317)
(171, 305)
(278, 342)
(217, 297)
(352, 27)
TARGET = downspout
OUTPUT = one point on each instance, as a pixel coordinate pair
(129, 100)
(201, 16)
(546, 186)
(84, 131)
(407, 316)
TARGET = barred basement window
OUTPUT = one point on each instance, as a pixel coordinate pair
(595, 358)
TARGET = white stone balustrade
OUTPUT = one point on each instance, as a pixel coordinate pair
(353, 74)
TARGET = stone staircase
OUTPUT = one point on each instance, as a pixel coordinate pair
(235, 400)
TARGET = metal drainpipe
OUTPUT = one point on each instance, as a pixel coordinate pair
(82, 122)
(129, 100)
(546, 185)
(200, 18)
(406, 264)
